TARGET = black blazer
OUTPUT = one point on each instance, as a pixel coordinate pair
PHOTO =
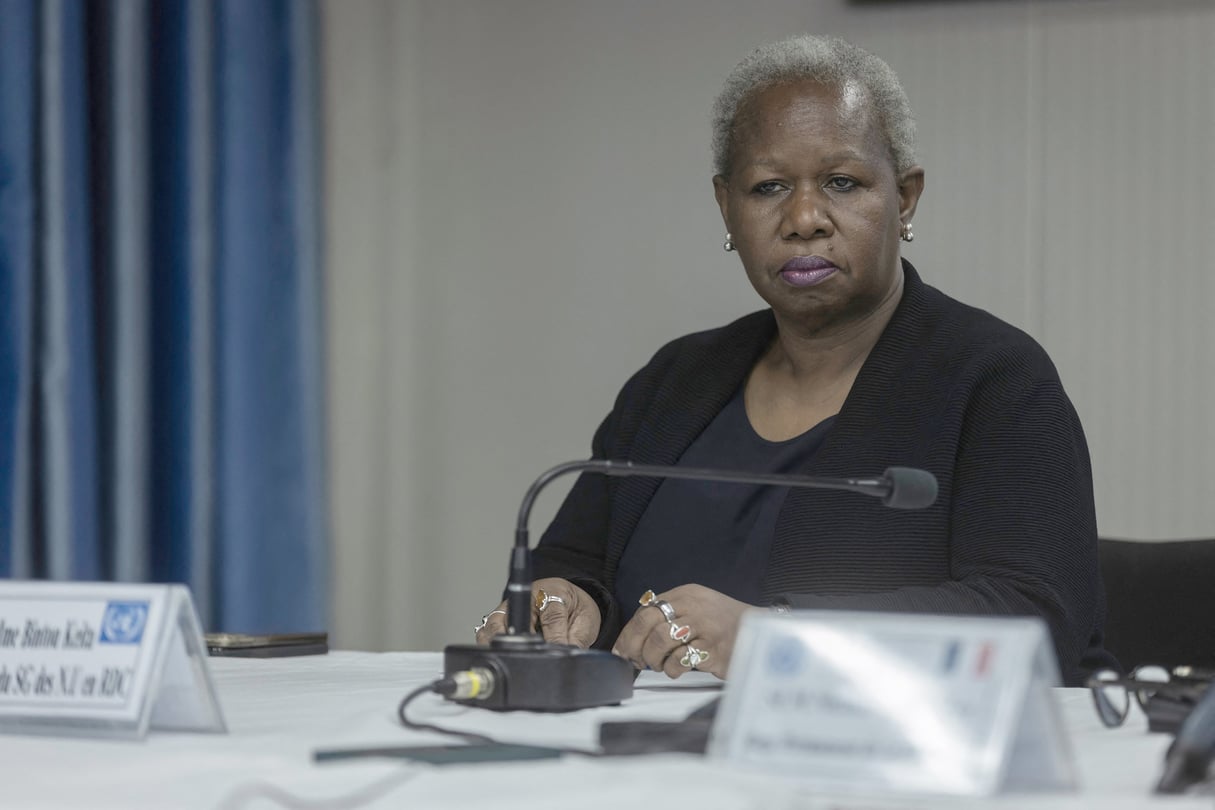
(948, 388)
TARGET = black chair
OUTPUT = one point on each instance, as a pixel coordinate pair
(1160, 601)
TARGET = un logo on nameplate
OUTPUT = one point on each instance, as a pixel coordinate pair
(123, 622)
(785, 657)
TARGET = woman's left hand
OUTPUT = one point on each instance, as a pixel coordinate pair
(711, 621)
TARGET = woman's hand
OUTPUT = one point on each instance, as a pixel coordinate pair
(568, 616)
(705, 625)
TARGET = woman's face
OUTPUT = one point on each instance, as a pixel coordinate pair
(813, 205)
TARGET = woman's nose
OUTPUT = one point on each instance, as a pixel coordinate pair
(806, 215)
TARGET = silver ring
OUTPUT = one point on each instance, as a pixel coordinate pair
(680, 633)
(667, 611)
(485, 620)
(542, 600)
(694, 657)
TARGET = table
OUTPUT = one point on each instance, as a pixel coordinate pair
(280, 710)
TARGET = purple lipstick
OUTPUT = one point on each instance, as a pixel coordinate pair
(806, 271)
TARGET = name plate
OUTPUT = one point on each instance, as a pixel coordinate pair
(896, 703)
(111, 660)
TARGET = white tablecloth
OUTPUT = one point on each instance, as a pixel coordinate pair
(280, 710)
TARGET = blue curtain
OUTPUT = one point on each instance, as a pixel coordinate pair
(160, 343)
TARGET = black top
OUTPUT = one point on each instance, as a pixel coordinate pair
(947, 388)
(714, 534)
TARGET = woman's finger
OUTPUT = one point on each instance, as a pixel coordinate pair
(634, 634)
(491, 624)
(713, 619)
(584, 625)
(554, 615)
(695, 655)
(659, 644)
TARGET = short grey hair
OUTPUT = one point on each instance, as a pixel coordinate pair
(828, 60)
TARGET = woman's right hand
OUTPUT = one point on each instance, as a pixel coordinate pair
(569, 616)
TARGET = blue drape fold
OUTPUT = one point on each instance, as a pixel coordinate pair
(18, 181)
(66, 428)
(267, 287)
(160, 360)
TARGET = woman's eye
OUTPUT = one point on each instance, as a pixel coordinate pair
(840, 183)
(767, 187)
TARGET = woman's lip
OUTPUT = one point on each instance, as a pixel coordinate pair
(807, 263)
(806, 271)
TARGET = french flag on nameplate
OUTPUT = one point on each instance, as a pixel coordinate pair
(983, 659)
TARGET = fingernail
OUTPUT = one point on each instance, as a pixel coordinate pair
(615, 651)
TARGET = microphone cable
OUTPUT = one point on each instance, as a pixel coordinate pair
(471, 685)
(476, 683)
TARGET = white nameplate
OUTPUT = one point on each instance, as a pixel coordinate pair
(94, 659)
(896, 703)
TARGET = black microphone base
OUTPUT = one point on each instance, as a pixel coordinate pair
(541, 677)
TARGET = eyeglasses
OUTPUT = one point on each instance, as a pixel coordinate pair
(1150, 684)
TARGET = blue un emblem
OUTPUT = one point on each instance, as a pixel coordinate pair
(785, 656)
(123, 622)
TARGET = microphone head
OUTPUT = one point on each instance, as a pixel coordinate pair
(910, 488)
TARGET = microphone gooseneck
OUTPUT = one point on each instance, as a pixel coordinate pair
(532, 674)
(898, 487)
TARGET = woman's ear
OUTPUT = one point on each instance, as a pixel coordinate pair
(722, 192)
(911, 186)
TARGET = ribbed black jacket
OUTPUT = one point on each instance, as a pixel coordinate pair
(947, 388)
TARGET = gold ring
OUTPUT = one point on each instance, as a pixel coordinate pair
(542, 600)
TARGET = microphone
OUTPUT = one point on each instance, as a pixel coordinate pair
(519, 670)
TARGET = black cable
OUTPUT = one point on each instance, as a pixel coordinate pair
(446, 686)
(443, 686)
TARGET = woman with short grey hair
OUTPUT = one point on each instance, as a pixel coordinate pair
(855, 365)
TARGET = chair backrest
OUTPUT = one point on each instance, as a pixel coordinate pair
(1160, 601)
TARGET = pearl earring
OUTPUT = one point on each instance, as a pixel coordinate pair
(729, 243)
(905, 232)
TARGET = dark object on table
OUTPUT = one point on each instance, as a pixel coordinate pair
(275, 645)
(526, 672)
(1166, 713)
(1167, 709)
(445, 754)
(689, 736)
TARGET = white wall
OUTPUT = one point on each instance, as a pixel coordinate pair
(520, 213)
